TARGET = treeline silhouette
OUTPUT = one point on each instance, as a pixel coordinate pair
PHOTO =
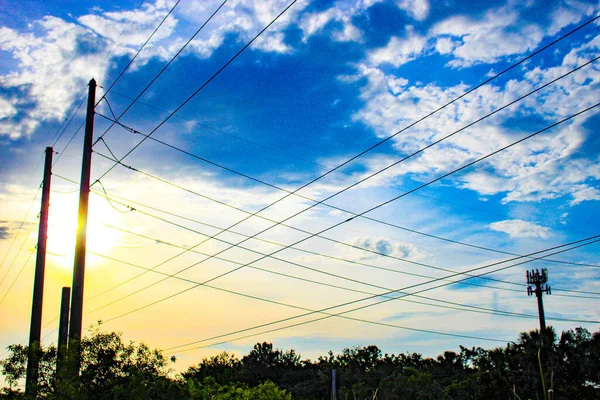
(536, 366)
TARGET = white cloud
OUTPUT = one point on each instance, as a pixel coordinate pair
(387, 246)
(517, 228)
(315, 22)
(54, 68)
(418, 9)
(486, 40)
(546, 167)
(399, 51)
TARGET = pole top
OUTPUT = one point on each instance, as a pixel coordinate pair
(49, 149)
(92, 82)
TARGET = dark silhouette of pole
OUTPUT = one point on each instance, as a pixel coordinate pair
(63, 329)
(35, 329)
(333, 385)
(537, 283)
(80, 245)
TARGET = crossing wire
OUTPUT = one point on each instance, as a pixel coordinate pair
(448, 304)
(295, 263)
(139, 50)
(275, 258)
(164, 68)
(117, 162)
(129, 208)
(364, 212)
(575, 244)
(115, 159)
(33, 225)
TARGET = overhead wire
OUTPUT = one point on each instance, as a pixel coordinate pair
(350, 219)
(574, 244)
(303, 266)
(290, 155)
(17, 277)
(378, 143)
(446, 303)
(33, 225)
(139, 50)
(105, 195)
(382, 254)
(164, 68)
(360, 181)
(349, 187)
(212, 77)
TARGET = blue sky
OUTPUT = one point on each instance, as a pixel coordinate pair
(325, 82)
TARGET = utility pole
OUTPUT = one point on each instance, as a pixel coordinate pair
(333, 385)
(35, 329)
(63, 329)
(80, 245)
(537, 283)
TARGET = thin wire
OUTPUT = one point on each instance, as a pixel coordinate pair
(69, 119)
(33, 225)
(119, 162)
(368, 298)
(368, 177)
(139, 51)
(349, 219)
(203, 85)
(378, 143)
(60, 154)
(313, 253)
(273, 257)
(470, 308)
(20, 227)
(18, 275)
(304, 308)
(163, 69)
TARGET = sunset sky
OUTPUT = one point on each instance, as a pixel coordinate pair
(230, 136)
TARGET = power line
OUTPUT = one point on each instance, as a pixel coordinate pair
(69, 118)
(33, 225)
(220, 131)
(139, 50)
(20, 227)
(17, 277)
(368, 149)
(368, 177)
(298, 307)
(449, 304)
(362, 180)
(275, 258)
(129, 208)
(594, 238)
(203, 85)
(350, 219)
(163, 69)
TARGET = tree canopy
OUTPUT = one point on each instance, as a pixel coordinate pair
(568, 366)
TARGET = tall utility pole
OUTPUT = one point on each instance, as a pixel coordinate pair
(537, 283)
(79, 266)
(35, 329)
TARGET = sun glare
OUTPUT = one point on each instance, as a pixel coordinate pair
(62, 228)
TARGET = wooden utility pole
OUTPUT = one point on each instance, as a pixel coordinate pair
(80, 245)
(35, 329)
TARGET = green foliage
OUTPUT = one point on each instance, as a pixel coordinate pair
(112, 369)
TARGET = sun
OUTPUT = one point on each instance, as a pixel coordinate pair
(62, 228)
